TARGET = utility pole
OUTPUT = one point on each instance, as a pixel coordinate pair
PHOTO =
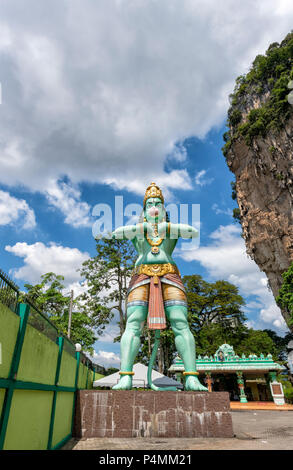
(149, 343)
(70, 314)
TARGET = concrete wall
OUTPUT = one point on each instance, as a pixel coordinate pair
(29, 420)
(67, 370)
(63, 417)
(9, 325)
(38, 358)
(28, 413)
(135, 413)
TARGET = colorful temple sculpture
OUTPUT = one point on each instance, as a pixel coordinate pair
(252, 378)
(156, 291)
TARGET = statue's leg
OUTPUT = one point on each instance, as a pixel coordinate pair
(130, 343)
(185, 344)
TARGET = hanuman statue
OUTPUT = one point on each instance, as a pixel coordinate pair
(156, 290)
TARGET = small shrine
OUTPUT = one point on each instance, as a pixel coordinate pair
(251, 378)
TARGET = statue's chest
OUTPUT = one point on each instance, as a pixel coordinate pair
(153, 245)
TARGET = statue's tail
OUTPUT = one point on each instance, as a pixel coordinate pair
(151, 363)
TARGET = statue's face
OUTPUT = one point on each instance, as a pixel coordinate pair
(154, 210)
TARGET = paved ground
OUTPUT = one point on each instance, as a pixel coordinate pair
(260, 405)
(261, 430)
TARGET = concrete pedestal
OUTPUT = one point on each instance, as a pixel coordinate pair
(135, 413)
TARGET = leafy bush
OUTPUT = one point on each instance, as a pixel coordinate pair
(288, 393)
(285, 297)
(270, 72)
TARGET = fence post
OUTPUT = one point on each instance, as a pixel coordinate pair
(77, 356)
(23, 312)
(51, 429)
(16, 306)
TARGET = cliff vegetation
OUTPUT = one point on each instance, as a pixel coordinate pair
(259, 151)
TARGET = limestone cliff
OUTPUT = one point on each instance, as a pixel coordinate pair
(259, 151)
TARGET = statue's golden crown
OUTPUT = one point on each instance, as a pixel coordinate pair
(153, 191)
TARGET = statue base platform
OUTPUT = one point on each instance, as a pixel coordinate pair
(139, 413)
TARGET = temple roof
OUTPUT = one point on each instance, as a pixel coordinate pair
(226, 360)
(226, 349)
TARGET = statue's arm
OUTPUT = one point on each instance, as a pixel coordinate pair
(128, 232)
(183, 231)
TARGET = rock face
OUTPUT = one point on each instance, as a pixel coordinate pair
(264, 175)
(259, 151)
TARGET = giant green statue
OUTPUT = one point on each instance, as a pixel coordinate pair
(156, 290)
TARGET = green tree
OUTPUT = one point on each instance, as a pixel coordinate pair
(257, 342)
(214, 316)
(212, 303)
(244, 340)
(282, 351)
(111, 370)
(48, 297)
(269, 73)
(285, 297)
(107, 275)
(211, 336)
(280, 343)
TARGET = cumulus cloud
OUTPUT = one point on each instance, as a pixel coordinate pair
(225, 258)
(110, 333)
(104, 91)
(271, 314)
(218, 210)
(201, 179)
(40, 259)
(67, 199)
(13, 210)
(77, 287)
(106, 359)
(176, 179)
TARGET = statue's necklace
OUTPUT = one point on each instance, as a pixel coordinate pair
(155, 244)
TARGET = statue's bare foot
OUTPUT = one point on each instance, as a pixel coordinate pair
(125, 383)
(192, 383)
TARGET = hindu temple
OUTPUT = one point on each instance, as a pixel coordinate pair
(252, 378)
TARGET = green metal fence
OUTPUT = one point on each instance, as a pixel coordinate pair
(9, 292)
(40, 373)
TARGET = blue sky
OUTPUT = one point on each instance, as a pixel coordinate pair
(100, 99)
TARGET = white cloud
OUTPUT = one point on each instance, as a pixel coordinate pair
(226, 258)
(271, 314)
(106, 359)
(40, 259)
(179, 153)
(218, 210)
(200, 179)
(66, 198)
(176, 179)
(77, 287)
(14, 211)
(111, 330)
(250, 324)
(104, 91)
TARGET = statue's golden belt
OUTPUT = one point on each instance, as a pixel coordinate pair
(156, 269)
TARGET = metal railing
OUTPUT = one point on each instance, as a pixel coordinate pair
(9, 292)
(99, 369)
(11, 385)
(82, 377)
(9, 296)
(41, 322)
